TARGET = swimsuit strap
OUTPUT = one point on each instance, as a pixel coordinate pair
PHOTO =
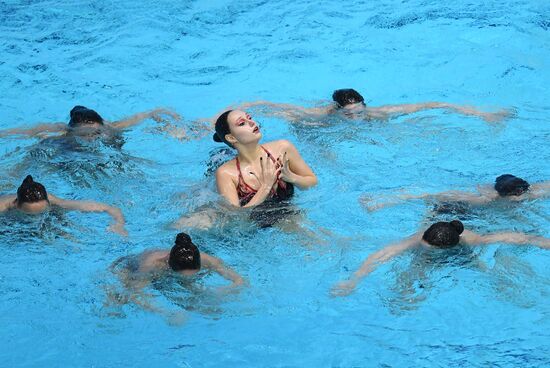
(241, 179)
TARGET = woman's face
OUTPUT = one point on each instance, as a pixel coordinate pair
(243, 129)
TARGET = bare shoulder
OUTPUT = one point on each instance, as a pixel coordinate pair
(229, 168)
(208, 260)
(151, 260)
(279, 146)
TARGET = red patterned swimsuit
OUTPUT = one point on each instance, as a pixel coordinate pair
(246, 192)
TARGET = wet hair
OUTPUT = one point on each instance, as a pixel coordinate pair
(30, 191)
(184, 255)
(510, 185)
(81, 115)
(344, 97)
(222, 128)
(444, 234)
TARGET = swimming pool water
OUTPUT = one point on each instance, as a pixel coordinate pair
(488, 308)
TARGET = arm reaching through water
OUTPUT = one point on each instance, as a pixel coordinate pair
(449, 196)
(156, 114)
(390, 111)
(90, 206)
(471, 238)
(372, 262)
(36, 130)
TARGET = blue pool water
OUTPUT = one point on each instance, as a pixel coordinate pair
(487, 307)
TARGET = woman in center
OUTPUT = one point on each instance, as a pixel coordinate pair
(259, 174)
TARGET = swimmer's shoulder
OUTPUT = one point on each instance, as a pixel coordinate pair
(227, 170)
(151, 260)
(279, 145)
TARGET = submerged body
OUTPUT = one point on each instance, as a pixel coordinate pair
(439, 235)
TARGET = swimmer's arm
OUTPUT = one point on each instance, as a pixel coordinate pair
(539, 190)
(38, 129)
(157, 114)
(91, 206)
(227, 188)
(7, 202)
(372, 263)
(295, 170)
(217, 265)
(471, 238)
(396, 110)
(452, 196)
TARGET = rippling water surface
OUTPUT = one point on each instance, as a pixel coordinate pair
(476, 307)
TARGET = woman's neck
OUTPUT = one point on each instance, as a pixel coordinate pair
(249, 153)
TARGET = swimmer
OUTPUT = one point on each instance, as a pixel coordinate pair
(82, 120)
(183, 260)
(507, 187)
(351, 104)
(259, 173)
(32, 198)
(439, 235)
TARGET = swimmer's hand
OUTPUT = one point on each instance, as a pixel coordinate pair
(158, 115)
(343, 288)
(118, 228)
(285, 173)
(268, 174)
(176, 318)
(498, 116)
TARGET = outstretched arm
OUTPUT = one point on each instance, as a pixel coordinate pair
(539, 190)
(156, 114)
(274, 109)
(388, 111)
(372, 262)
(90, 206)
(7, 202)
(217, 265)
(471, 238)
(450, 196)
(36, 130)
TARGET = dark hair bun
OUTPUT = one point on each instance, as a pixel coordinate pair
(216, 138)
(458, 226)
(28, 180)
(183, 239)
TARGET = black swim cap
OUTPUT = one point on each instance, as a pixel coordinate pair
(184, 255)
(31, 191)
(81, 115)
(222, 128)
(344, 97)
(510, 185)
(444, 234)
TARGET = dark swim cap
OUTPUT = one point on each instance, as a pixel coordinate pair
(81, 115)
(184, 255)
(444, 234)
(31, 191)
(344, 97)
(222, 128)
(510, 185)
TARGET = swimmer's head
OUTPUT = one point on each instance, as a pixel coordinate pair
(32, 196)
(184, 255)
(82, 116)
(510, 185)
(222, 128)
(236, 127)
(444, 234)
(346, 97)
